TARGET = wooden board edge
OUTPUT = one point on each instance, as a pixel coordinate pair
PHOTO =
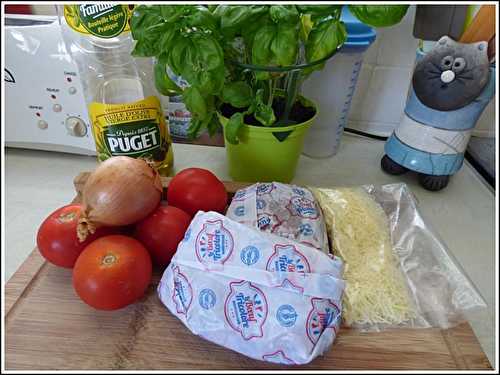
(464, 347)
(19, 282)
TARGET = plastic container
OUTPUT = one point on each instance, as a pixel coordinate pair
(333, 88)
(178, 117)
(261, 157)
(124, 109)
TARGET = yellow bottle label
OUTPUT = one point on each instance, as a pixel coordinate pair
(134, 129)
(104, 20)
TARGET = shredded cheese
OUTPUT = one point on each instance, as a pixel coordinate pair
(375, 292)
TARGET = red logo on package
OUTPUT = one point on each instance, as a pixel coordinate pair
(214, 243)
(267, 222)
(182, 294)
(246, 309)
(324, 314)
(286, 258)
(303, 207)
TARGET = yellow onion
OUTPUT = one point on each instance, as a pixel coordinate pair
(121, 191)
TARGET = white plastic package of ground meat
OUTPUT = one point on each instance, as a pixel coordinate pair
(264, 296)
(285, 210)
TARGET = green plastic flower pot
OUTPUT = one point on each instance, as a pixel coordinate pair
(260, 156)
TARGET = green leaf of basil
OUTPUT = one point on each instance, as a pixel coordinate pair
(163, 83)
(238, 94)
(379, 15)
(233, 127)
(324, 38)
(284, 14)
(265, 115)
(195, 103)
(144, 48)
(285, 44)
(261, 49)
(203, 18)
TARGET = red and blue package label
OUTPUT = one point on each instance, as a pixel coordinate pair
(267, 221)
(303, 207)
(286, 258)
(324, 315)
(214, 243)
(246, 309)
(182, 293)
(267, 297)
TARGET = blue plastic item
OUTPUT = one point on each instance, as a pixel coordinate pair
(359, 35)
(340, 73)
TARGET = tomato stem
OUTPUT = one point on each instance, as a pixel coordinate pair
(108, 260)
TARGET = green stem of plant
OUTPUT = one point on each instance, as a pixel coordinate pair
(291, 92)
(272, 87)
(247, 57)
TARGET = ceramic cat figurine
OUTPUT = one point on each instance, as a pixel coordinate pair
(451, 86)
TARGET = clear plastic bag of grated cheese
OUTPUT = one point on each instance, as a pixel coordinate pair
(264, 296)
(285, 210)
(398, 272)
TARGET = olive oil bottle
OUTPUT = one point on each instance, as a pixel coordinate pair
(125, 112)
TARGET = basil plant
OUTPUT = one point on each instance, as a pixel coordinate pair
(237, 55)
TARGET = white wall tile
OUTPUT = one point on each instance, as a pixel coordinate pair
(396, 44)
(370, 56)
(386, 95)
(485, 126)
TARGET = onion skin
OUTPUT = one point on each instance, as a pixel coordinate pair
(121, 191)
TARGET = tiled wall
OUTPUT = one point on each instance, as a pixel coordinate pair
(380, 95)
(383, 82)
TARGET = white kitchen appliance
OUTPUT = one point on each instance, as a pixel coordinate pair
(44, 104)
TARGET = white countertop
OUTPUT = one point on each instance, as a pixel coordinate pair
(38, 182)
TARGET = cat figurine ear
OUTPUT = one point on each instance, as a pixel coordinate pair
(452, 74)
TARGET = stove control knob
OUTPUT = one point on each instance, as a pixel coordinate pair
(43, 124)
(76, 127)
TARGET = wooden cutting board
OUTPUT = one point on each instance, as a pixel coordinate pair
(49, 328)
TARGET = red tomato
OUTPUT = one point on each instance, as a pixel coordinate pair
(162, 231)
(195, 189)
(57, 240)
(112, 272)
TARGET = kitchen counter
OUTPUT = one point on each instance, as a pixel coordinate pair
(38, 182)
(482, 151)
